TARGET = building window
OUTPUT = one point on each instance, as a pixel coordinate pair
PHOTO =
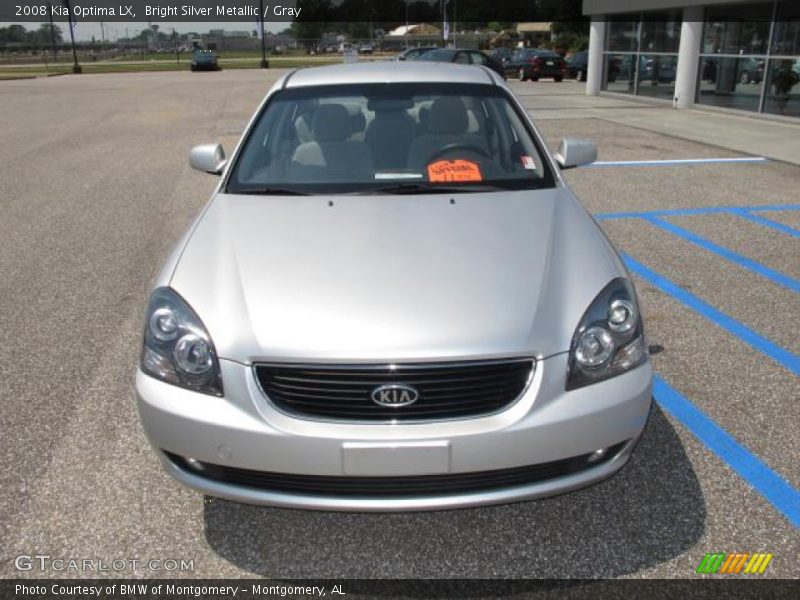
(750, 57)
(641, 54)
(731, 81)
(737, 29)
(786, 35)
(782, 95)
(783, 87)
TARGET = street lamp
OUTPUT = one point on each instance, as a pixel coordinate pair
(264, 61)
(76, 68)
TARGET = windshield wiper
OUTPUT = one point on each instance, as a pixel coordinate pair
(428, 188)
(269, 191)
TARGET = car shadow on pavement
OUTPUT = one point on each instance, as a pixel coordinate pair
(650, 512)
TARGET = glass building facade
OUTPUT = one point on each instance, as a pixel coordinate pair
(641, 54)
(749, 56)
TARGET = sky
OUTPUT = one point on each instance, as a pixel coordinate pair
(86, 29)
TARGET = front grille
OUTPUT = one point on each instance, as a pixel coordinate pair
(395, 487)
(445, 390)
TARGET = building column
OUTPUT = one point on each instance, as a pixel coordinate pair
(594, 67)
(688, 57)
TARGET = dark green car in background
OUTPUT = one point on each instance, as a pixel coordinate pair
(204, 60)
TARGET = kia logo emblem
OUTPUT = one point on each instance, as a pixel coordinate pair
(394, 395)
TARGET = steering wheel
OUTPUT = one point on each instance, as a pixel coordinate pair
(458, 146)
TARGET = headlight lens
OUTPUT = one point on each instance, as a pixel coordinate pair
(177, 347)
(609, 339)
(595, 346)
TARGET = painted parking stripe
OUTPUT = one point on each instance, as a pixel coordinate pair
(746, 214)
(783, 357)
(675, 162)
(766, 482)
(677, 212)
(733, 257)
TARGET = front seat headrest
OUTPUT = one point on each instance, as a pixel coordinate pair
(448, 115)
(332, 123)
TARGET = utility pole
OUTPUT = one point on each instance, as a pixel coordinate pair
(455, 30)
(52, 30)
(264, 61)
(445, 25)
(177, 50)
(76, 68)
(406, 36)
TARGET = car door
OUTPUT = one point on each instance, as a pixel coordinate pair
(477, 58)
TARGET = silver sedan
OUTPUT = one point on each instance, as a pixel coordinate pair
(392, 301)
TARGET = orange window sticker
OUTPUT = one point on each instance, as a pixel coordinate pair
(454, 170)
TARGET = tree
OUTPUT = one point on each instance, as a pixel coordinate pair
(43, 36)
(13, 34)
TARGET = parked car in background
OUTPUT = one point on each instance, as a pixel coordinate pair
(502, 55)
(204, 60)
(414, 53)
(751, 70)
(535, 64)
(365, 49)
(464, 57)
(577, 65)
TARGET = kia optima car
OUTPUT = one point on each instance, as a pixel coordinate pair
(392, 301)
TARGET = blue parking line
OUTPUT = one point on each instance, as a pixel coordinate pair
(735, 258)
(677, 162)
(746, 214)
(766, 482)
(783, 357)
(695, 211)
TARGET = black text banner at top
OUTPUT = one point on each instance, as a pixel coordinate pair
(320, 11)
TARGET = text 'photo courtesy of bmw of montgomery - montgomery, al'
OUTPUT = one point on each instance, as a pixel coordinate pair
(392, 301)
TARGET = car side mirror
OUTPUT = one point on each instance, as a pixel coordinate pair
(575, 152)
(209, 158)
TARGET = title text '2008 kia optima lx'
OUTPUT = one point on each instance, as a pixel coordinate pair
(392, 302)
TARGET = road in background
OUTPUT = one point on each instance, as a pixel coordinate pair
(96, 188)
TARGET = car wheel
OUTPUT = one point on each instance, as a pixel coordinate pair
(521, 75)
(558, 79)
(580, 76)
(534, 79)
(744, 77)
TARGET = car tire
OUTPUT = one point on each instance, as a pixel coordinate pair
(521, 75)
(534, 79)
(193, 68)
(558, 79)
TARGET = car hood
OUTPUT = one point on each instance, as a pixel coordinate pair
(399, 278)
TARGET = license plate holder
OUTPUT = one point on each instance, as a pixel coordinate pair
(371, 459)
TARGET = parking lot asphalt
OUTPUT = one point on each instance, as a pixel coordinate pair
(96, 188)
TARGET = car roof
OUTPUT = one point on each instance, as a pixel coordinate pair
(389, 72)
(539, 51)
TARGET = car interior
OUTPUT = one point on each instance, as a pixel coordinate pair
(359, 139)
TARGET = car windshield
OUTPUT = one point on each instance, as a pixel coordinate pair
(384, 138)
(441, 55)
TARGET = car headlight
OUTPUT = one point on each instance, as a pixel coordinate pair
(609, 339)
(177, 348)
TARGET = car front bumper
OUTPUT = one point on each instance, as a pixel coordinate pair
(244, 431)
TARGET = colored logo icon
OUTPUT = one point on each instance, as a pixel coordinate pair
(743, 563)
